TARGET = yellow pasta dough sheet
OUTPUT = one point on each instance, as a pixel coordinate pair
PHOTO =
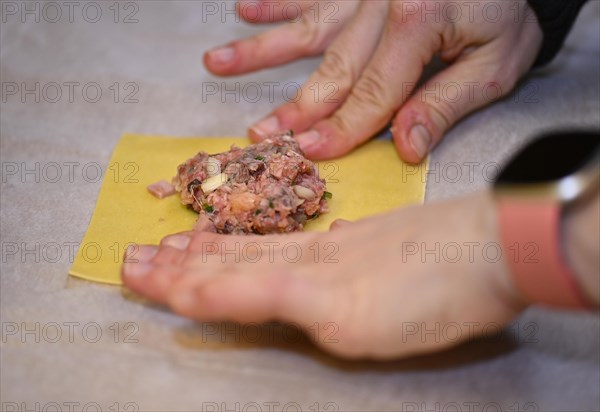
(368, 181)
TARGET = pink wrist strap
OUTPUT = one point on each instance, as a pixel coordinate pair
(530, 232)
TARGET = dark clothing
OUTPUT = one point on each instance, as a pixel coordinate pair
(556, 17)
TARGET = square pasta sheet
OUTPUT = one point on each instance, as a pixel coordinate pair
(370, 180)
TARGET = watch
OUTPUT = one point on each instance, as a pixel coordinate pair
(532, 192)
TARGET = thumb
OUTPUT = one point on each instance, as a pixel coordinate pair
(469, 84)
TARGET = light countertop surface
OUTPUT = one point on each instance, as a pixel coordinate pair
(148, 359)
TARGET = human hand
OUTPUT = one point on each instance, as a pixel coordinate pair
(366, 278)
(374, 53)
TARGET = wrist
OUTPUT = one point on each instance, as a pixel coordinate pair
(502, 278)
(581, 243)
(549, 176)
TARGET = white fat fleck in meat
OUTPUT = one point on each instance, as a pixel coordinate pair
(269, 187)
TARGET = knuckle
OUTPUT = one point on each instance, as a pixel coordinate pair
(280, 287)
(505, 73)
(352, 341)
(442, 114)
(370, 91)
(367, 95)
(509, 80)
(169, 255)
(341, 123)
(310, 35)
(403, 13)
(336, 66)
(503, 79)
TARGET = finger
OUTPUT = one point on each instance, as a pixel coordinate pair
(405, 47)
(330, 84)
(470, 83)
(179, 241)
(150, 270)
(168, 255)
(306, 37)
(253, 295)
(199, 248)
(339, 223)
(196, 241)
(257, 11)
(150, 280)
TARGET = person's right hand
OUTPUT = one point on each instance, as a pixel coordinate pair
(415, 280)
(374, 53)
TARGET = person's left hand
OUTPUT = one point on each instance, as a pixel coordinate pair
(374, 52)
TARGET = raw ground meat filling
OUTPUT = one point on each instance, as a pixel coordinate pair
(268, 187)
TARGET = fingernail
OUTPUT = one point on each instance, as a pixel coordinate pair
(266, 127)
(420, 140)
(144, 254)
(308, 140)
(221, 55)
(251, 9)
(137, 270)
(130, 251)
(180, 242)
(339, 223)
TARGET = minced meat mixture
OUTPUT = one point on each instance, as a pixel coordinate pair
(268, 187)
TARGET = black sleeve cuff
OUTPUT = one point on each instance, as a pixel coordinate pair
(555, 17)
